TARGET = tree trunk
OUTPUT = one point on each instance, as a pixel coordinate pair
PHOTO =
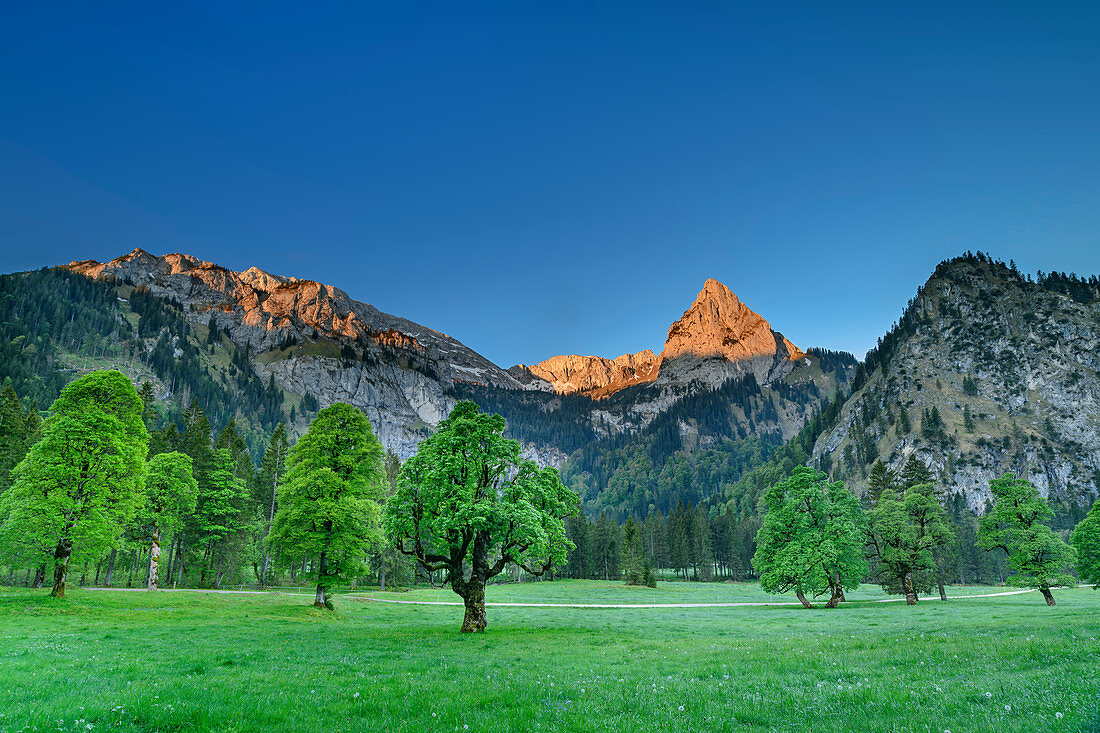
(39, 576)
(1045, 590)
(321, 601)
(943, 592)
(61, 557)
(179, 563)
(171, 556)
(383, 579)
(110, 568)
(154, 559)
(473, 598)
(801, 597)
(270, 520)
(910, 591)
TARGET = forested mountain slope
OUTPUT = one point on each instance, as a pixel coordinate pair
(986, 371)
(315, 343)
(56, 325)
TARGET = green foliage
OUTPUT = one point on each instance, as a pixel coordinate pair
(1039, 557)
(81, 482)
(170, 492)
(19, 430)
(812, 536)
(881, 480)
(906, 532)
(915, 472)
(1086, 541)
(466, 499)
(468, 480)
(328, 504)
(969, 386)
(744, 496)
(636, 570)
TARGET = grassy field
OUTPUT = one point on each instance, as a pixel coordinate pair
(133, 661)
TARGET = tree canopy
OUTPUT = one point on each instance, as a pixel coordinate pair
(81, 482)
(328, 508)
(1086, 540)
(812, 537)
(469, 505)
(906, 533)
(170, 495)
(1039, 557)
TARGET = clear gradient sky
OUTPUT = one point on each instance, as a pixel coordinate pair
(560, 177)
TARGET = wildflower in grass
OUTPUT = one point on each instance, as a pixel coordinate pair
(1008, 708)
(681, 707)
(1059, 716)
(356, 695)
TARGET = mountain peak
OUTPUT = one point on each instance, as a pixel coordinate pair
(719, 324)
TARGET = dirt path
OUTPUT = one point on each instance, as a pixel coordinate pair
(511, 604)
(678, 605)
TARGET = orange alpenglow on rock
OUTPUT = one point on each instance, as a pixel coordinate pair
(717, 326)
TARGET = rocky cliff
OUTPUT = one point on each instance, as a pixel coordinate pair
(987, 371)
(314, 339)
(718, 338)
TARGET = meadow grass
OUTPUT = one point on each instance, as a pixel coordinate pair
(136, 661)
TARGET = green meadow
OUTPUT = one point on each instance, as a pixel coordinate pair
(176, 661)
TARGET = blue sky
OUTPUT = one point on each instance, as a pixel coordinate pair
(544, 178)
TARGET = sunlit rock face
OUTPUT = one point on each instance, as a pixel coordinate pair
(313, 338)
(717, 338)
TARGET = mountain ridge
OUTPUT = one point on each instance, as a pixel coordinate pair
(717, 326)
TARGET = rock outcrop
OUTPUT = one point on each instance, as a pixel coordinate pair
(986, 372)
(717, 338)
(593, 375)
(314, 339)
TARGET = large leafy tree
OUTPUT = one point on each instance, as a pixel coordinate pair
(170, 495)
(906, 532)
(467, 504)
(1086, 540)
(81, 482)
(1036, 553)
(812, 538)
(328, 508)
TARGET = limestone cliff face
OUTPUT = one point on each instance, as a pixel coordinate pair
(1011, 368)
(313, 338)
(719, 338)
(716, 339)
(595, 375)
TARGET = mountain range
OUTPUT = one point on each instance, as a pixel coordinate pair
(986, 370)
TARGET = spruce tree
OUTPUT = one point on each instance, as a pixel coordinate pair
(881, 480)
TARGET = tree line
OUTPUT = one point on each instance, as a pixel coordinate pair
(92, 478)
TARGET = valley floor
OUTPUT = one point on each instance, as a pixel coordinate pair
(190, 661)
